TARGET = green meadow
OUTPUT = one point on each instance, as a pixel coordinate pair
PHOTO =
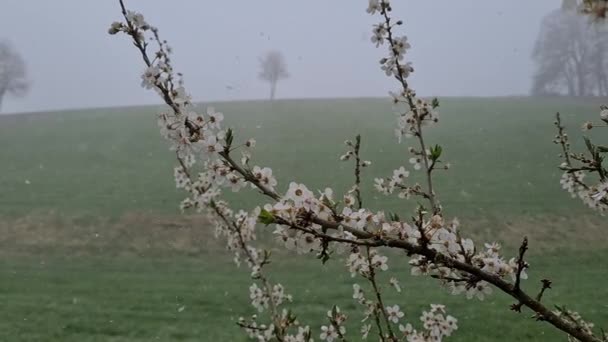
(94, 248)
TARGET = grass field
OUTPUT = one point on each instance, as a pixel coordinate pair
(93, 248)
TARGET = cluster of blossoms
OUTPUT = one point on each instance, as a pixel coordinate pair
(397, 182)
(436, 323)
(351, 152)
(200, 138)
(576, 319)
(363, 265)
(593, 196)
(392, 64)
(577, 166)
(336, 330)
(446, 239)
(319, 223)
(261, 299)
(417, 114)
(266, 333)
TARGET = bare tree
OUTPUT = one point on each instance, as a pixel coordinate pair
(273, 69)
(570, 54)
(13, 72)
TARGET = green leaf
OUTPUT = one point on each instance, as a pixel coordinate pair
(334, 311)
(435, 103)
(229, 137)
(603, 149)
(266, 217)
(290, 317)
(393, 217)
(436, 152)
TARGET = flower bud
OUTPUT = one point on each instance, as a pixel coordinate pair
(587, 126)
(115, 28)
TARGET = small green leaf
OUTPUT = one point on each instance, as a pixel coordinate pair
(291, 318)
(393, 217)
(229, 137)
(266, 217)
(334, 311)
(436, 152)
(435, 103)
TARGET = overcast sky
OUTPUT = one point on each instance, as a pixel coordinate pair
(463, 47)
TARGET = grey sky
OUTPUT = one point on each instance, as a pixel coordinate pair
(459, 47)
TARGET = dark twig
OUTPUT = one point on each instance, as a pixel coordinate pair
(407, 92)
(380, 303)
(358, 171)
(521, 264)
(546, 285)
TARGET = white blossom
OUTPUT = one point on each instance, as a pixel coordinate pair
(137, 20)
(264, 176)
(380, 261)
(378, 34)
(215, 118)
(394, 313)
(328, 333)
(149, 77)
(415, 161)
(365, 329)
(298, 193)
(374, 6)
(480, 290)
(259, 299)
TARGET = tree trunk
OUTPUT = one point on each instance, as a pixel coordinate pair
(273, 89)
(604, 82)
(570, 85)
(580, 78)
(570, 75)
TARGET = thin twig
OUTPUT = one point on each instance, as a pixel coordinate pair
(358, 172)
(521, 264)
(406, 90)
(380, 304)
(546, 285)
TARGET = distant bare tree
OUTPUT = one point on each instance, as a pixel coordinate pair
(571, 54)
(273, 69)
(13, 72)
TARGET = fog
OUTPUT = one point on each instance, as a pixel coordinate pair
(459, 48)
